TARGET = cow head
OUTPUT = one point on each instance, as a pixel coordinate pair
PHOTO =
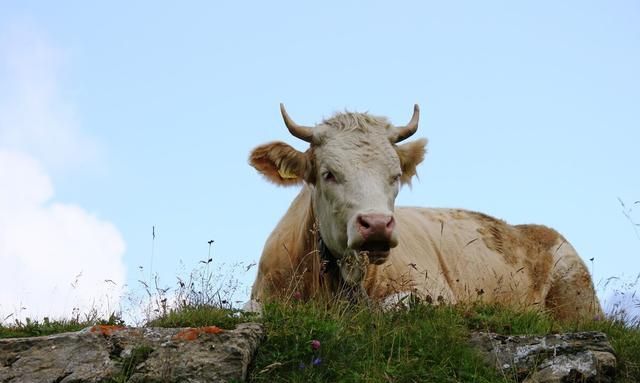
(354, 167)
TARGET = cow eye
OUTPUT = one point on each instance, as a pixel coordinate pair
(395, 178)
(328, 176)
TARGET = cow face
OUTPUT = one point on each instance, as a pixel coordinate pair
(355, 169)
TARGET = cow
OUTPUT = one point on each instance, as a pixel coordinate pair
(344, 235)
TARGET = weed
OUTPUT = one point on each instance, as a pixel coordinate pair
(30, 327)
(320, 342)
(129, 363)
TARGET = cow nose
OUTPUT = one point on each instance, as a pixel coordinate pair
(375, 227)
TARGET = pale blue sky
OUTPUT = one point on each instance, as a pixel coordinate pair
(532, 110)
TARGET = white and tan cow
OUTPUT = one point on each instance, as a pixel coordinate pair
(343, 232)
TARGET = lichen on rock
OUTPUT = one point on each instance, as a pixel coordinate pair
(107, 353)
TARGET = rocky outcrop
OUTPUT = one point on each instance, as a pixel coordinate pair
(118, 354)
(209, 354)
(571, 357)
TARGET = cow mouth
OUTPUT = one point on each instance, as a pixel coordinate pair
(378, 252)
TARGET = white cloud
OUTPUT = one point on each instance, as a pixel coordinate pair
(54, 257)
(33, 114)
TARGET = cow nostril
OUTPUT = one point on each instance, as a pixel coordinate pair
(391, 224)
(363, 223)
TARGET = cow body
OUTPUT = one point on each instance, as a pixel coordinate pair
(386, 252)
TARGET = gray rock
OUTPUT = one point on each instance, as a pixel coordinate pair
(570, 357)
(108, 354)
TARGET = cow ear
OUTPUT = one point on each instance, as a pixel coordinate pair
(411, 155)
(280, 163)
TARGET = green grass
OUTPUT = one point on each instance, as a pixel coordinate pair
(198, 316)
(29, 327)
(425, 343)
(138, 355)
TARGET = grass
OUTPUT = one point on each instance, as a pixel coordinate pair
(351, 343)
(138, 355)
(199, 316)
(425, 343)
(19, 329)
(30, 327)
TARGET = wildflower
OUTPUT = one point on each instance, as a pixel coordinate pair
(297, 295)
(301, 366)
(315, 345)
(316, 361)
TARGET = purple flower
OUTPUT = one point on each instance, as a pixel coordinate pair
(301, 366)
(315, 345)
(316, 361)
(297, 295)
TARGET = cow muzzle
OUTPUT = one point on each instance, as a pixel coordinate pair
(374, 236)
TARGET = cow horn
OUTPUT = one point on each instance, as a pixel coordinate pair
(304, 133)
(404, 132)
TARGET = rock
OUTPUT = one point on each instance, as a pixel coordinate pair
(110, 353)
(571, 357)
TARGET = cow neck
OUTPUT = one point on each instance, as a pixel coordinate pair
(325, 271)
(333, 277)
(328, 261)
(306, 257)
(326, 256)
